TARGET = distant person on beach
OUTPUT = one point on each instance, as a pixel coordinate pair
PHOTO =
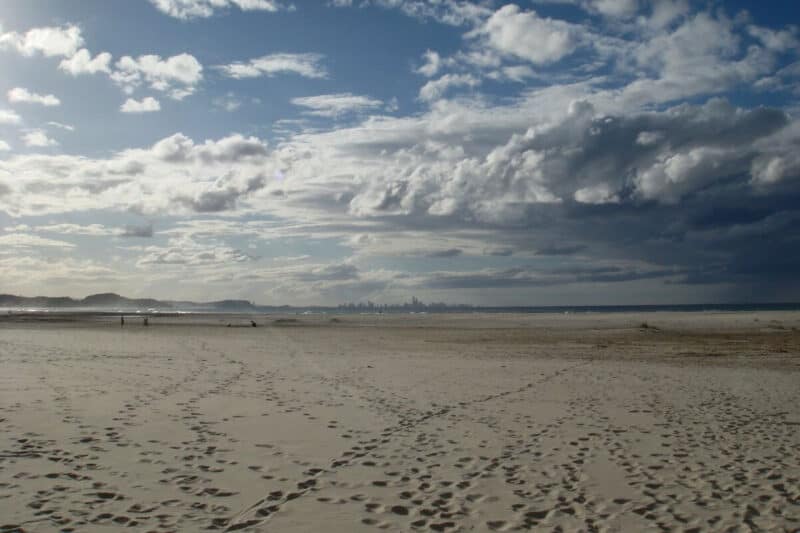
(121, 321)
(146, 321)
(253, 323)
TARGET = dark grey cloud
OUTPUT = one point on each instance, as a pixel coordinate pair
(499, 252)
(684, 190)
(145, 231)
(212, 201)
(527, 277)
(711, 238)
(450, 252)
(556, 249)
(659, 155)
(434, 253)
(585, 157)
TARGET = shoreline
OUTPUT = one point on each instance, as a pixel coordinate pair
(456, 310)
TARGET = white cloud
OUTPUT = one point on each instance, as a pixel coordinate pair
(234, 148)
(145, 105)
(49, 41)
(30, 273)
(435, 89)
(779, 159)
(175, 174)
(665, 12)
(518, 73)
(4, 147)
(92, 230)
(334, 105)
(306, 65)
(768, 171)
(221, 195)
(8, 116)
(22, 95)
(25, 240)
(459, 162)
(451, 12)
(778, 40)
(702, 55)
(433, 62)
(160, 74)
(596, 194)
(95, 230)
(186, 248)
(616, 8)
(83, 63)
(671, 177)
(61, 126)
(38, 139)
(229, 102)
(649, 138)
(189, 9)
(624, 9)
(526, 35)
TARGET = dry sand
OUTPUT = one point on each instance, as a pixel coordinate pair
(430, 423)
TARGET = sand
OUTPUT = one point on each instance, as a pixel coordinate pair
(402, 423)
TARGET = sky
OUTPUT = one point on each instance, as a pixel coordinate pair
(544, 152)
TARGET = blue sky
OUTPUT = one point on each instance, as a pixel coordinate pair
(533, 153)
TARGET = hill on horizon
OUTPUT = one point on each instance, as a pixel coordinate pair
(114, 300)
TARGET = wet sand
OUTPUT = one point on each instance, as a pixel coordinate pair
(402, 423)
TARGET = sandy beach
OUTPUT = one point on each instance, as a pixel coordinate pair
(594, 422)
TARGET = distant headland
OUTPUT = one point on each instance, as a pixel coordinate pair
(110, 300)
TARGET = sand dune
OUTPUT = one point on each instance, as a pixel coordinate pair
(402, 423)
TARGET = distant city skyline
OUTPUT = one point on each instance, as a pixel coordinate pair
(545, 152)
